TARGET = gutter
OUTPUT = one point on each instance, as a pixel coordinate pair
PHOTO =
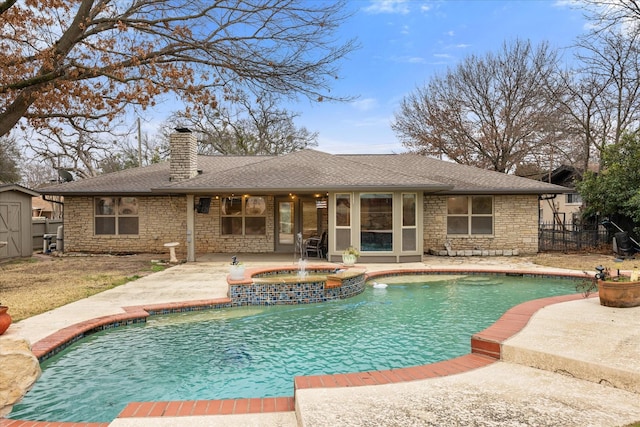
(44, 197)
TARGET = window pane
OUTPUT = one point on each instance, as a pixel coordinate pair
(231, 225)
(343, 210)
(232, 206)
(128, 206)
(128, 225)
(457, 225)
(481, 205)
(458, 205)
(376, 241)
(255, 225)
(255, 206)
(309, 219)
(574, 198)
(408, 210)
(376, 212)
(105, 206)
(481, 225)
(409, 239)
(343, 239)
(105, 225)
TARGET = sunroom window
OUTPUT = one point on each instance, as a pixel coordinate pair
(376, 222)
(470, 215)
(116, 215)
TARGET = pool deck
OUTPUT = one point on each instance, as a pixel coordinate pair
(566, 361)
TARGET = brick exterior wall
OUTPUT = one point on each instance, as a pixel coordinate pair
(162, 219)
(515, 228)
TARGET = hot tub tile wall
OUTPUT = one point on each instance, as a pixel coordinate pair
(310, 292)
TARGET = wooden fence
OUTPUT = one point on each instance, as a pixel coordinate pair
(42, 226)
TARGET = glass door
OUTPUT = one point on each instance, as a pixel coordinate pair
(300, 215)
(285, 225)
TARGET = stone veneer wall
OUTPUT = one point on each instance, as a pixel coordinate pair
(162, 219)
(209, 239)
(183, 164)
(515, 228)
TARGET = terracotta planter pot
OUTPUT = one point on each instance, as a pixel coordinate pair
(5, 319)
(619, 294)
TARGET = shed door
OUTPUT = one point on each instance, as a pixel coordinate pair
(10, 230)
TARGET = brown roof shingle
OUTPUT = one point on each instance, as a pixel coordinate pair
(310, 170)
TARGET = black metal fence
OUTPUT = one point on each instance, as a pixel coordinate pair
(572, 237)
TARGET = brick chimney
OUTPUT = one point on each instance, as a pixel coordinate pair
(183, 163)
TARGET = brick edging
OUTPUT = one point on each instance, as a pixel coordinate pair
(489, 341)
(486, 349)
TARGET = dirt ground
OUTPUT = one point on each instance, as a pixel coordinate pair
(41, 283)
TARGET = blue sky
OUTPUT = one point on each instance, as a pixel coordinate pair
(404, 43)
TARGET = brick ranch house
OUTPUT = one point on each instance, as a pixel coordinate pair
(394, 207)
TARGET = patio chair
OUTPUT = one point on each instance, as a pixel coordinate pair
(316, 246)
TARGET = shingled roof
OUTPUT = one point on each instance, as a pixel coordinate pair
(312, 171)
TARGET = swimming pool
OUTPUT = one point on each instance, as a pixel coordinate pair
(256, 351)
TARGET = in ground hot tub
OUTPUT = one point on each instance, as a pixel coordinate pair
(285, 286)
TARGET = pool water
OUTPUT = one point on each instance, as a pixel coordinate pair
(256, 351)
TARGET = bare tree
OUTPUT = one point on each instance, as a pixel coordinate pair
(9, 160)
(64, 60)
(79, 153)
(131, 154)
(602, 95)
(492, 111)
(247, 127)
(606, 14)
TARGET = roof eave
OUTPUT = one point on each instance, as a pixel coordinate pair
(509, 191)
(304, 189)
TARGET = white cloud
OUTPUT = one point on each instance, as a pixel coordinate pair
(409, 59)
(566, 3)
(365, 104)
(442, 55)
(462, 46)
(450, 33)
(388, 6)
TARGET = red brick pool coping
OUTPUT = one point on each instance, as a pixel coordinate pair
(486, 349)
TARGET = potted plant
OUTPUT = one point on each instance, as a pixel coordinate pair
(350, 256)
(5, 318)
(618, 291)
(237, 269)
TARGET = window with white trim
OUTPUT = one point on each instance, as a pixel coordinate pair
(409, 224)
(470, 215)
(342, 214)
(376, 222)
(573, 198)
